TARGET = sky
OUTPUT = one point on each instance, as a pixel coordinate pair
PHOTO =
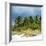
(24, 11)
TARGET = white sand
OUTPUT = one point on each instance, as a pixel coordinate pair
(19, 38)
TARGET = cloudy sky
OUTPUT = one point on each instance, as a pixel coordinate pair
(24, 11)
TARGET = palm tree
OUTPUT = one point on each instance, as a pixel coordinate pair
(18, 20)
(17, 23)
(30, 19)
(37, 22)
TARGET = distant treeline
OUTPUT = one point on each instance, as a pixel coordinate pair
(24, 23)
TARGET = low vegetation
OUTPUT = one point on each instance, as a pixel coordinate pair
(28, 26)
